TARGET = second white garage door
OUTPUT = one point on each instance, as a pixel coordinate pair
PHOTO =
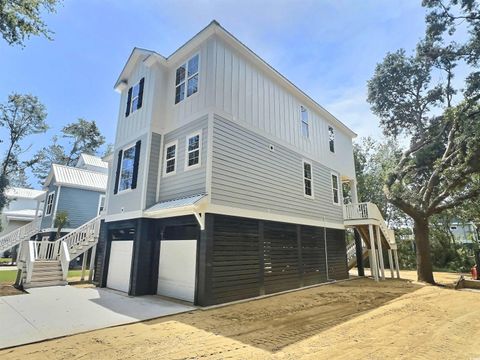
(119, 265)
(176, 270)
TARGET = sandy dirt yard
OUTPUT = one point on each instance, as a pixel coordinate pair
(394, 319)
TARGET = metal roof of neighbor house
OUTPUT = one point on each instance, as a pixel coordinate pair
(176, 203)
(77, 177)
(23, 193)
(92, 161)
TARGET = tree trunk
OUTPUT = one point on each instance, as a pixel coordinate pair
(422, 241)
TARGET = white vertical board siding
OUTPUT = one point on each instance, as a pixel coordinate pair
(249, 95)
(248, 175)
(185, 182)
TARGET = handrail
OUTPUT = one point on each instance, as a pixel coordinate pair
(85, 233)
(18, 235)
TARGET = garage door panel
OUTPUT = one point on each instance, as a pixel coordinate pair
(119, 265)
(176, 270)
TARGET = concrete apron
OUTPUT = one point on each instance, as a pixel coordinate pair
(51, 312)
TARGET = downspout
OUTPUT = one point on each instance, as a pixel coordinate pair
(326, 251)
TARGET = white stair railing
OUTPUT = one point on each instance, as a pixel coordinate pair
(83, 237)
(16, 236)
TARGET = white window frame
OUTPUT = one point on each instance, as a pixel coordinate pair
(128, 147)
(328, 135)
(302, 110)
(52, 194)
(185, 80)
(134, 97)
(191, 167)
(339, 194)
(102, 196)
(171, 143)
(312, 196)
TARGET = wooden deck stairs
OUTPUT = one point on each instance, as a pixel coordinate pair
(46, 263)
(367, 219)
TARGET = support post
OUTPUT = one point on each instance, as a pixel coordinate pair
(359, 253)
(390, 262)
(84, 265)
(380, 252)
(373, 257)
(396, 263)
(93, 252)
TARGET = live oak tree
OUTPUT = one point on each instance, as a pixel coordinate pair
(21, 18)
(417, 101)
(82, 136)
(20, 117)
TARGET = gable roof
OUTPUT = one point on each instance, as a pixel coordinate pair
(149, 56)
(77, 178)
(23, 193)
(91, 160)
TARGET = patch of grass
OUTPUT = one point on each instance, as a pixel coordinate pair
(9, 276)
(5, 260)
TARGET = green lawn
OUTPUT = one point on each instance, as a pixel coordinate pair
(9, 276)
(5, 260)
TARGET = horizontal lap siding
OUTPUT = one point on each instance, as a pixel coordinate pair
(190, 182)
(80, 205)
(247, 174)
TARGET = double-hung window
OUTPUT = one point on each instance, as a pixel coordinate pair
(331, 138)
(186, 79)
(304, 118)
(192, 153)
(307, 179)
(135, 97)
(49, 207)
(126, 172)
(170, 166)
(335, 189)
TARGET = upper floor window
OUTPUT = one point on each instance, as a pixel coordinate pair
(307, 179)
(304, 118)
(49, 208)
(186, 77)
(335, 189)
(192, 157)
(135, 97)
(331, 139)
(126, 173)
(127, 168)
(170, 158)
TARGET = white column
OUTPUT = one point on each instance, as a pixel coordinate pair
(390, 262)
(84, 265)
(353, 191)
(373, 263)
(92, 263)
(397, 264)
(380, 252)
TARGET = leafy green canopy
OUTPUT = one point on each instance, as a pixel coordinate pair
(21, 18)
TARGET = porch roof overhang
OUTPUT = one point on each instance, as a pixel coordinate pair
(189, 205)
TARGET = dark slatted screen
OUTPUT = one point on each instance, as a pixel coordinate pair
(235, 263)
(280, 257)
(313, 255)
(337, 258)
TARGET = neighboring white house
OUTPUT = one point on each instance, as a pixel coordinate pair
(464, 232)
(226, 178)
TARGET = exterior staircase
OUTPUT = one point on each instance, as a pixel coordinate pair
(352, 255)
(45, 263)
(23, 233)
(368, 220)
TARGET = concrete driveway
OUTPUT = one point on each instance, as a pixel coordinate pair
(50, 312)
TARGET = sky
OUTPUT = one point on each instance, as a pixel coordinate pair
(328, 48)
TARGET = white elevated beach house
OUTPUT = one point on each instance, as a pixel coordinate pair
(226, 181)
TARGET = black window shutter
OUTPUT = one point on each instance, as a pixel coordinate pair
(140, 93)
(129, 100)
(117, 176)
(135, 164)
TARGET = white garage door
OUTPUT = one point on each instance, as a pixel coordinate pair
(119, 265)
(176, 270)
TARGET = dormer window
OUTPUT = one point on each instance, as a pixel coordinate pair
(304, 118)
(135, 97)
(186, 76)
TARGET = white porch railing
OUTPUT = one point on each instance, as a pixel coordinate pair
(83, 236)
(15, 237)
(46, 250)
